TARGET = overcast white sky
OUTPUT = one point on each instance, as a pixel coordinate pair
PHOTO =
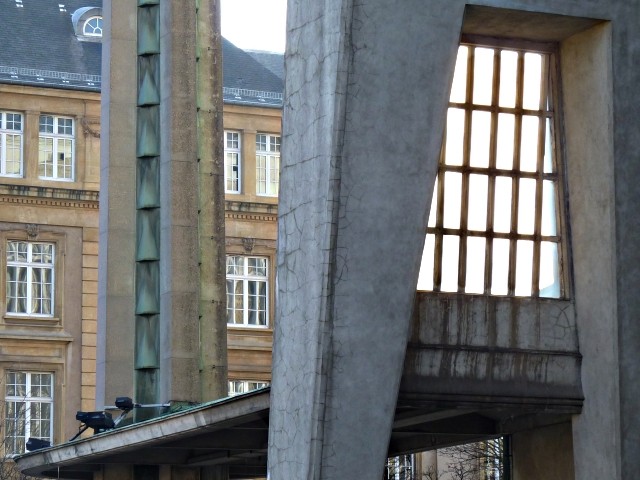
(255, 24)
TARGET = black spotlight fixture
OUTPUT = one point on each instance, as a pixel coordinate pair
(99, 421)
(37, 443)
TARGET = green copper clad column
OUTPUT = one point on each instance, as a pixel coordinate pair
(147, 280)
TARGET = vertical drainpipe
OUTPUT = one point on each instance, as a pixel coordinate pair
(147, 281)
(212, 307)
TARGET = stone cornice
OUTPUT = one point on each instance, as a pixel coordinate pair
(253, 211)
(46, 196)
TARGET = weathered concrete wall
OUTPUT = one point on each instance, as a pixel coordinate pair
(588, 99)
(544, 454)
(345, 234)
(366, 92)
(492, 349)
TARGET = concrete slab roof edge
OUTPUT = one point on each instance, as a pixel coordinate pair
(161, 429)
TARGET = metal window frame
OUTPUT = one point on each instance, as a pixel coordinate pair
(551, 90)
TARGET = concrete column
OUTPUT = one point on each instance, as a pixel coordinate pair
(212, 264)
(117, 204)
(179, 253)
(363, 123)
(543, 454)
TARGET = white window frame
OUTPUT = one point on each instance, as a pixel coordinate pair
(86, 26)
(6, 132)
(31, 286)
(57, 136)
(267, 164)
(232, 150)
(245, 278)
(30, 404)
(238, 387)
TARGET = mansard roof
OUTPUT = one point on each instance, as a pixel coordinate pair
(39, 45)
(43, 45)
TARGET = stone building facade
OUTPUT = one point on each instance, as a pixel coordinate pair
(50, 124)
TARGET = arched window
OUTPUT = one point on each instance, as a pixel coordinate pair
(93, 27)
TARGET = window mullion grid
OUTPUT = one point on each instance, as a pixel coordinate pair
(552, 88)
(535, 274)
(464, 203)
(438, 235)
(3, 152)
(517, 145)
(491, 177)
(466, 154)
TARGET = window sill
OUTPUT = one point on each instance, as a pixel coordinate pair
(235, 326)
(31, 320)
(52, 179)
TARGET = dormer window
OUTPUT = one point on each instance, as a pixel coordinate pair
(88, 23)
(93, 27)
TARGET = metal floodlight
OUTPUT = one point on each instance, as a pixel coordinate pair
(124, 403)
(99, 421)
(37, 443)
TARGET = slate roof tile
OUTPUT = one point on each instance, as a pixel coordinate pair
(38, 47)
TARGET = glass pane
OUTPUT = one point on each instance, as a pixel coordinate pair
(526, 206)
(524, 267)
(500, 267)
(548, 148)
(505, 141)
(502, 205)
(532, 80)
(434, 206)
(452, 198)
(257, 266)
(235, 265)
(483, 76)
(508, 78)
(529, 144)
(480, 138)
(549, 271)
(459, 86)
(548, 226)
(475, 265)
(450, 258)
(46, 124)
(455, 137)
(477, 219)
(425, 278)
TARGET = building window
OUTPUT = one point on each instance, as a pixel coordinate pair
(236, 387)
(399, 468)
(93, 27)
(232, 162)
(247, 291)
(28, 409)
(10, 144)
(55, 159)
(30, 278)
(267, 164)
(494, 225)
